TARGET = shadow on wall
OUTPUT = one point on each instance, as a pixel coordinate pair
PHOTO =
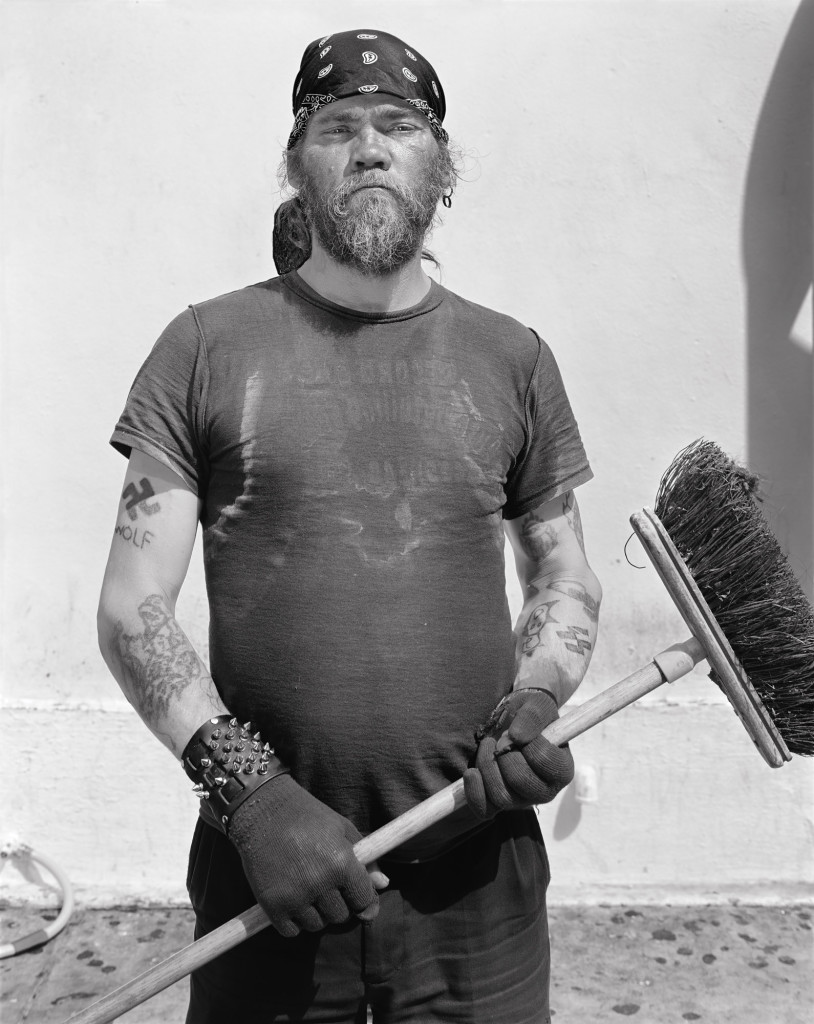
(777, 233)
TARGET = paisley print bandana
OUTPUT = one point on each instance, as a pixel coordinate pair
(365, 61)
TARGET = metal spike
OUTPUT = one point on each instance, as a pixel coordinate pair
(247, 726)
(198, 787)
(263, 769)
(266, 746)
(240, 746)
(256, 736)
(255, 746)
(265, 756)
(233, 722)
(216, 734)
(214, 745)
(227, 747)
(206, 762)
(251, 758)
(220, 781)
(238, 759)
(248, 769)
(230, 734)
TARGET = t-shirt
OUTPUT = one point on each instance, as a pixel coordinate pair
(354, 470)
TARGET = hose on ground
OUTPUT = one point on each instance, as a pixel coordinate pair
(53, 928)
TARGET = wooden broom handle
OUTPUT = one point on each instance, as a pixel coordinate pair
(671, 664)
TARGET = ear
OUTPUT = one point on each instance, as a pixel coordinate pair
(293, 170)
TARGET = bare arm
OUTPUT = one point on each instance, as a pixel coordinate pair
(146, 650)
(557, 627)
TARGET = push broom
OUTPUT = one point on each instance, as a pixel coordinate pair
(747, 616)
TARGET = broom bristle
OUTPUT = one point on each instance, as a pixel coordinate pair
(707, 504)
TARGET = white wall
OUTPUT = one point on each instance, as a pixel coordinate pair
(638, 189)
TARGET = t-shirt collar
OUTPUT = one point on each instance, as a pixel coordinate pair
(431, 300)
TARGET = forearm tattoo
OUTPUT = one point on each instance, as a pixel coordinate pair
(159, 662)
(578, 592)
(540, 538)
(574, 637)
(576, 634)
(533, 631)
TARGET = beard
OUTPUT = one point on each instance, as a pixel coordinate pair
(371, 222)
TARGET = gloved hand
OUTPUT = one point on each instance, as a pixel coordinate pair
(514, 766)
(298, 857)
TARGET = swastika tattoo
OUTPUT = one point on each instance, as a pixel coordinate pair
(137, 499)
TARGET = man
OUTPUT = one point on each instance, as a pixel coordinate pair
(353, 439)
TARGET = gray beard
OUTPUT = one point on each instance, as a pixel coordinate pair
(373, 230)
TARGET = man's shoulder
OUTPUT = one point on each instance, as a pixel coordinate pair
(240, 302)
(491, 322)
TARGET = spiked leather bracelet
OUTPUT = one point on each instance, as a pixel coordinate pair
(227, 763)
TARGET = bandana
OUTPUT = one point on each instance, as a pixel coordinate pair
(363, 62)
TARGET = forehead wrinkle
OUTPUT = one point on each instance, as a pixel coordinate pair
(352, 115)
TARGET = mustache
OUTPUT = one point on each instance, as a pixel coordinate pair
(359, 182)
(368, 179)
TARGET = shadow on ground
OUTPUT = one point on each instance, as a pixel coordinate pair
(728, 964)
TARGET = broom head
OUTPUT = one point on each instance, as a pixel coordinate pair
(708, 506)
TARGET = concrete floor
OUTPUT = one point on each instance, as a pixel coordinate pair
(724, 964)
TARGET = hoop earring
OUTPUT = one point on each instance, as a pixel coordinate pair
(447, 199)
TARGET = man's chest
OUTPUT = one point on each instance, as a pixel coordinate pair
(376, 420)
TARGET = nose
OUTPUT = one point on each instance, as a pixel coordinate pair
(370, 151)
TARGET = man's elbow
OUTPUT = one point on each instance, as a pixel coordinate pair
(112, 612)
(105, 623)
(592, 584)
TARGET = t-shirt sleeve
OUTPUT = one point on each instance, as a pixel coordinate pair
(552, 460)
(165, 409)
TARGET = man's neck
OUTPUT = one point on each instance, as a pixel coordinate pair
(345, 286)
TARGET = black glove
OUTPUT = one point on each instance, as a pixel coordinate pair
(514, 766)
(298, 858)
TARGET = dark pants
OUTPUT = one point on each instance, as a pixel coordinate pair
(462, 938)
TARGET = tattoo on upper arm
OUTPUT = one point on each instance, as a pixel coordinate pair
(132, 536)
(137, 499)
(578, 592)
(539, 537)
(570, 510)
(159, 662)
